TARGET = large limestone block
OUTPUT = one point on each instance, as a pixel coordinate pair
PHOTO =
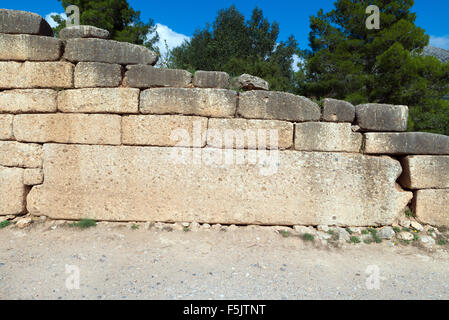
(382, 117)
(212, 79)
(277, 106)
(68, 128)
(23, 155)
(108, 51)
(12, 191)
(154, 184)
(97, 74)
(15, 21)
(99, 100)
(338, 111)
(413, 143)
(142, 76)
(198, 102)
(327, 136)
(6, 127)
(431, 207)
(249, 134)
(28, 75)
(160, 130)
(425, 172)
(83, 31)
(24, 47)
(28, 101)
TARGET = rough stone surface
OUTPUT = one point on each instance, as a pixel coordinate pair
(17, 75)
(6, 127)
(417, 226)
(99, 100)
(249, 82)
(33, 177)
(338, 111)
(431, 207)
(425, 172)
(343, 234)
(277, 106)
(160, 130)
(24, 155)
(142, 76)
(211, 79)
(407, 143)
(199, 102)
(68, 128)
(28, 101)
(325, 136)
(109, 51)
(407, 236)
(244, 134)
(153, 184)
(28, 47)
(22, 223)
(97, 74)
(15, 21)
(83, 31)
(12, 191)
(382, 117)
(386, 233)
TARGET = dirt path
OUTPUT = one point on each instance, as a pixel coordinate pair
(117, 262)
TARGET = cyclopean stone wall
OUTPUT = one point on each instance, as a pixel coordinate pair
(90, 129)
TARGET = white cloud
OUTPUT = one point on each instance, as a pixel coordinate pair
(440, 42)
(52, 22)
(296, 60)
(172, 38)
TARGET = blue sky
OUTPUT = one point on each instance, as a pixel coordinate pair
(178, 19)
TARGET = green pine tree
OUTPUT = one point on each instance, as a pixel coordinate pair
(237, 46)
(348, 61)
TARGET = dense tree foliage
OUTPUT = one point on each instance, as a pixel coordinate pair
(237, 46)
(117, 17)
(348, 61)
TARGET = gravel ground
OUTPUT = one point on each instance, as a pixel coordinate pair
(118, 262)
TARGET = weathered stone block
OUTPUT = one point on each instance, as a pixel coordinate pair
(338, 111)
(277, 106)
(99, 100)
(97, 74)
(6, 127)
(23, 155)
(141, 76)
(12, 191)
(382, 117)
(28, 101)
(249, 82)
(83, 31)
(15, 21)
(199, 102)
(249, 134)
(413, 143)
(431, 207)
(151, 184)
(16, 75)
(32, 177)
(68, 128)
(425, 172)
(28, 47)
(109, 51)
(326, 136)
(159, 130)
(211, 79)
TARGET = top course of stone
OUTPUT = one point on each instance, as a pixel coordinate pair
(31, 39)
